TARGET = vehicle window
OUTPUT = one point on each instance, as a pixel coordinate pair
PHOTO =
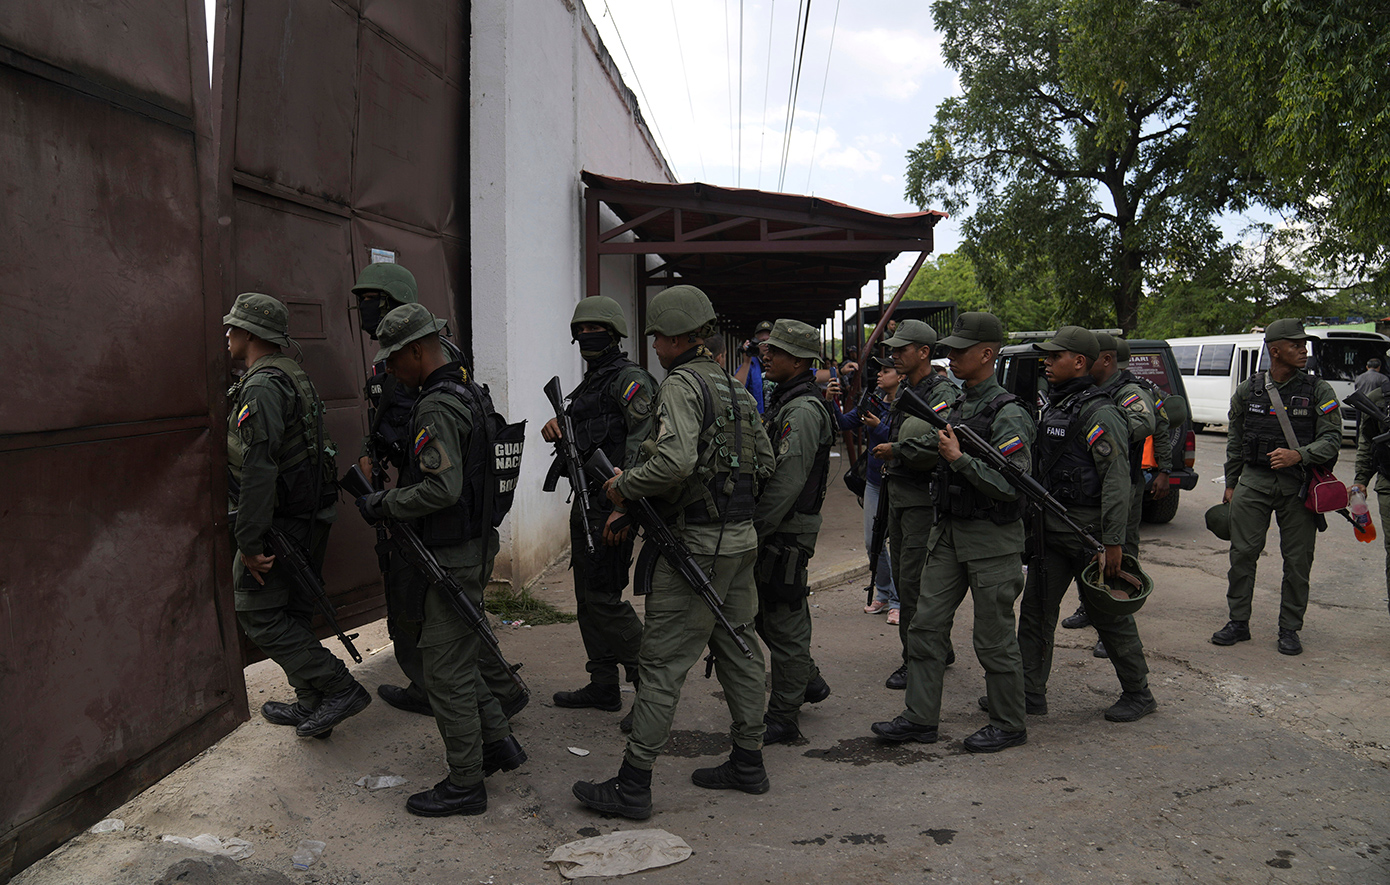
(1343, 360)
(1185, 355)
(1215, 359)
(1150, 366)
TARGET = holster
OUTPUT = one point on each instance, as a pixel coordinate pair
(780, 571)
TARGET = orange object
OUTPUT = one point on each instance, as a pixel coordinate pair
(1367, 534)
(1150, 459)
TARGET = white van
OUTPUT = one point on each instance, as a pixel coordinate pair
(1213, 365)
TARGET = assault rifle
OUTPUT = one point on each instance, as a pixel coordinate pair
(656, 531)
(567, 459)
(976, 445)
(288, 552)
(409, 545)
(1363, 404)
(876, 537)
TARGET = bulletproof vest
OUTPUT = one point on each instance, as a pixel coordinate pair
(463, 520)
(896, 417)
(957, 496)
(723, 486)
(1263, 433)
(813, 493)
(1063, 454)
(298, 455)
(389, 404)
(599, 422)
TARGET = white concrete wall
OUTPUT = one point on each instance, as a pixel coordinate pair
(546, 104)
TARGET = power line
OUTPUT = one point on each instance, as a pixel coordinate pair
(767, 78)
(799, 50)
(729, 79)
(646, 103)
(738, 175)
(821, 108)
(690, 100)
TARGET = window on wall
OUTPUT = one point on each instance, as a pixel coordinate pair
(1215, 359)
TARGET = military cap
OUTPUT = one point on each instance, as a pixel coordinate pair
(972, 327)
(912, 332)
(402, 326)
(602, 310)
(1285, 330)
(1106, 341)
(1074, 339)
(678, 311)
(796, 338)
(262, 316)
(1219, 520)
(1121, 351)
(884, 361)
(764, 326)
(393, 279)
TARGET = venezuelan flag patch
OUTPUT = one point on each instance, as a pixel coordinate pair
(1130, 400)
(1011, 446)
(631, 391)
(243, 414)
(1158, 403)
(940, 407)
(1094, 435)
(421, 440)
(1327, 407)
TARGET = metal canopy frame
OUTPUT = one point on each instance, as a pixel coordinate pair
(757, 254)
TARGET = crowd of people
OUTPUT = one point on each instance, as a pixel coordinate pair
(964, 490)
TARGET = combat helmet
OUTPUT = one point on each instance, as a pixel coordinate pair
(1121, 595)
(393, 279)
(602, 310)
(678, 311)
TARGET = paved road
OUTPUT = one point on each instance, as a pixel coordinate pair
(1256, 768)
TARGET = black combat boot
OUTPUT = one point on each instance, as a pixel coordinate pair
(1233, 632)
(817, 690)
(279, 713)
(779, 731)
(991, 740)
(743, 771)
(1099, 651)
(1288, 642)
(897, 680)
(1078, 619)
(446, 798)
(503, 755)
(628, 794)
(335, 709)
(401, 699)
(600, 697)
(901, 729)
(1132, 705)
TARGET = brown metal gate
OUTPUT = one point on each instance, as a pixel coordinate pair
(343, 129)
(118, 656)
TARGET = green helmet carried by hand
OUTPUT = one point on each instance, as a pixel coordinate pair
(393, 279)
(679, 310)
(602, 310)
(1121, 595)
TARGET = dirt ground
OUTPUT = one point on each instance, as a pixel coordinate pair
(1256, 767)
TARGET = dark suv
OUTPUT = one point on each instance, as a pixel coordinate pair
(1020, 370)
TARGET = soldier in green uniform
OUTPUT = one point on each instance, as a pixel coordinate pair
(1265, 474)
(442, 489)
(1373, 459)
(1083, 442)
(380, 288)
(910, 455)
(788, 519)
(976, 543)
(704, 461)
(282, 474)
(611, 409)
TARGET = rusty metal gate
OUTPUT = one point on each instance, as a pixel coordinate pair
(118, 657)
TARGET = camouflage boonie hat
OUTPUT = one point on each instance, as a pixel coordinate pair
(1076, 340)
(912, 332)
(972, 327)
(1285, 330)
(393, 279)
(796, 338)
(262, 316)
(402, 326)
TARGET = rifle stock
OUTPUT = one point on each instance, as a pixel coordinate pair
(567, 453)
(1363, 404)
(409, 545)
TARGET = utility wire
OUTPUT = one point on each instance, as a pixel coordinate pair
(821, 108)
(767, 78)
(738, 175)
(729, 79)
(799, 50)
(689, 99)
(649, 115)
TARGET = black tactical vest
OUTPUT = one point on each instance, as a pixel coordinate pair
(1066, 468)
(389, 404)
(896, 416)
(1263, 433)
(598, 418)
(463, 520)
(957, 496)
(724, 484)
(813, 493)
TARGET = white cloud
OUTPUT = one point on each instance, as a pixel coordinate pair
(894, 63)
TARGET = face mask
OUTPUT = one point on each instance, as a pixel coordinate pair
(369, 310)
(593, 344)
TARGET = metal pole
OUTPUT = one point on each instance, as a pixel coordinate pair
(886, 313)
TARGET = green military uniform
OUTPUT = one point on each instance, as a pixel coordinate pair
(274, 449)
(1140, 410)
(1083, 442)
(977, 542)
(788, 520)
(1260, 490)
(433, 484)
(1373, 459)
(1153, 395)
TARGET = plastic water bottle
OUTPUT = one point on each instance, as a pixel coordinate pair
(309, 850)
(1361, 516)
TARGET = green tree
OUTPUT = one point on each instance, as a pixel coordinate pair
(1076, 154)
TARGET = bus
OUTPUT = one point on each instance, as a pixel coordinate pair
(1213, 365)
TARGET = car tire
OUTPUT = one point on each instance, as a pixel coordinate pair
(1161, 511)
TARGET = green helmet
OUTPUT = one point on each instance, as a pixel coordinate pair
(393, 279)
(678, 311)
(602, 310)
(1121, 595)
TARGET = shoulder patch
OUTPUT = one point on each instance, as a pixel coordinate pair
(941, 406)
(1327, 407)
(1130, 400)
(245, 413)
(1008, 447)
(786, 430)
(422, 439)
(630, 391)
(1094, 434)
(1103, 448)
